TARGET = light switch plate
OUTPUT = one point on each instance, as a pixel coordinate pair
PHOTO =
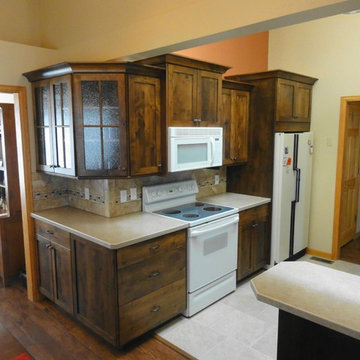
(133, 194)
(86, 193)
(123, 196)
(217, 179)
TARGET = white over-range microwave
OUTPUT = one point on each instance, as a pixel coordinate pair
(192, 148)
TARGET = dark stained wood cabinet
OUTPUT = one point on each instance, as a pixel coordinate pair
(151, 283)
(12, 259)
(145, 125)
(280, 102)
(193, 90)
(254, 240)
(55, 269)
(235, 121)
(118, 294)
(95, 288)
(108, 114)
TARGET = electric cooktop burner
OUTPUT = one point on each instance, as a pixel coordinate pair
(193, 211)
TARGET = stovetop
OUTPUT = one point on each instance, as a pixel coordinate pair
(194, 211)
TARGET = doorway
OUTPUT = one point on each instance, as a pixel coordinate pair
(346, 238)
(25, 184)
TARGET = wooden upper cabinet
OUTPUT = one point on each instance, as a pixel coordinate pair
(235, 121)
(145, 125)
(293, 101)
(193, 90)
(101, 100)
(100, 120)
(54, 125)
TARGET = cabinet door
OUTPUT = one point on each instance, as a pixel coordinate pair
(209, 98)
(144, 125)
(182, 96)
(63, 295)
(245, 251)
(46, 284)
(100, 124)
(259, 244)
(226, 124)
(43, 125)
(63, 133)
(239, 126)
(96, 290)
(302, 102)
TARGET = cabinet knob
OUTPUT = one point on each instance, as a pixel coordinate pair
(255, 225)
(160, 165)
(123, 169)
(50, 232)
(155, 247)
(155, 308)
(154, 274)
(197, 120)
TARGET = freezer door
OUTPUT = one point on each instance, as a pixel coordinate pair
(283, 195)
(302, 209)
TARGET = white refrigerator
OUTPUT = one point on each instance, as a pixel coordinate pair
(291, 194)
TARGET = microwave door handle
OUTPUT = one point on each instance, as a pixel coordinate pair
(212, 144)
(196, 233)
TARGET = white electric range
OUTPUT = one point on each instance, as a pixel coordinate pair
(212, 240)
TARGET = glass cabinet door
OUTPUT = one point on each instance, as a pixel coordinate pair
(62, 126)
(101, 125)
(45, 161)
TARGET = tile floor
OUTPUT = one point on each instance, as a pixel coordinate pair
(237, 327)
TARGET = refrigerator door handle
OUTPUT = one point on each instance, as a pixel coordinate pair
(297, 188)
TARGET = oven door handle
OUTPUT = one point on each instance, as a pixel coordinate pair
(209, 228)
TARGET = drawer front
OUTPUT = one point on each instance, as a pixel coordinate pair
(144, 277)
(53, 233)
(139, 252)
(145, 313)
(253, 214)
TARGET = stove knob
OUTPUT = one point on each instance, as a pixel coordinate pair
(180, 189)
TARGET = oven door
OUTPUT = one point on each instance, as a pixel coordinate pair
(212, 251)
(190, 153)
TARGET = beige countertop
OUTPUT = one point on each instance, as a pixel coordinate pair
(240, 201)
(121, 231)
(325, 296)
(113, 233)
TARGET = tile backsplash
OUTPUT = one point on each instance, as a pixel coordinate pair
(104, 195)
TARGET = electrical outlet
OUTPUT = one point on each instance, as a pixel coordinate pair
(123, 196)
(217, 179)
(86, 193)
(133, 194)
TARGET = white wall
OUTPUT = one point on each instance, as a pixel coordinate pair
(328, 49)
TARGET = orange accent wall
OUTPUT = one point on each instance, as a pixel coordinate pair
(245, 54)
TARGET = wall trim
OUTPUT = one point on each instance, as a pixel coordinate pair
(319, 253)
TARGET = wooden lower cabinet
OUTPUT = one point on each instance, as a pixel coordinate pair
(254, 240)
(118, 294)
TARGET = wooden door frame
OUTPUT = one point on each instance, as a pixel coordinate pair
(25, 182)
(345, 100)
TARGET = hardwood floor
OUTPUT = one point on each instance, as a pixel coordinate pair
(46, 333)
(351, 251)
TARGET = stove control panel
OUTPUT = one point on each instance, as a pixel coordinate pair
(169, 191)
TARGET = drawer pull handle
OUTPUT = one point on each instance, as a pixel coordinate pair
(255, 225)
(154, 274)
(49, 232)
(155, 247)
(155, 308)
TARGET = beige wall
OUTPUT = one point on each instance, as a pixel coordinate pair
(328, 49)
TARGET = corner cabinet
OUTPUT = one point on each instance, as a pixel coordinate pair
(193, 90)
(235, 121)
(254, 240)
(98, 120)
